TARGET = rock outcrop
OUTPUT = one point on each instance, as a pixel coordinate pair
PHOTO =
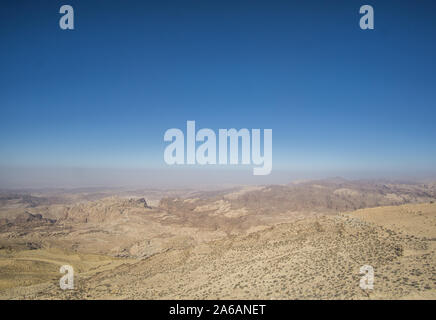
(28, 217)
(104, 210)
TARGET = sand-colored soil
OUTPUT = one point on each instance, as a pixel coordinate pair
(306, 240)
(313, 258)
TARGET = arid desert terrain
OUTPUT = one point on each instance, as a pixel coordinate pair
(304, 240)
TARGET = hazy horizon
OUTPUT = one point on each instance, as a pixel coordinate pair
(340, 101)
(176, 178)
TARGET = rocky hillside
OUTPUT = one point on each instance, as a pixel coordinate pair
(312, 258)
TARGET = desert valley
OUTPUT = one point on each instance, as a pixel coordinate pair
(303, 240)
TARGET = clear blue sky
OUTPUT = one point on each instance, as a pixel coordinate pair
(336, 97)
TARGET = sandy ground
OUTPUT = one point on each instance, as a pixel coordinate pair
(273, 242)
(313, 258)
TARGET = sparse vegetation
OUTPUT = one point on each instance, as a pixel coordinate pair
(265, 242)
